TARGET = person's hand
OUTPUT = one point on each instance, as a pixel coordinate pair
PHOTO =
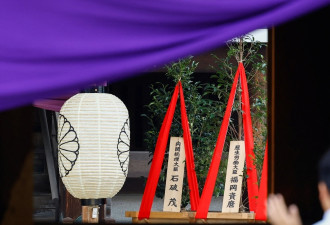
(280, 214)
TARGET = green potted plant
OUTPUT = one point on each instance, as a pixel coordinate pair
(206, 103)
(249, 51)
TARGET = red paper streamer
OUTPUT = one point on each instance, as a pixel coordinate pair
(157, 161)
(261, 212)
(206, 197)
(252, 180)
(191, 174)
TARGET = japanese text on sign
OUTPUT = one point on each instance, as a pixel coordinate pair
(234, 177)
(174, 176)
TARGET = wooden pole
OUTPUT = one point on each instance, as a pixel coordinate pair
(91, 210)
(239, 112)
(90, 214)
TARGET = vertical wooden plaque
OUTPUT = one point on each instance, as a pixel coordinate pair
(174, 177)
(234, 177)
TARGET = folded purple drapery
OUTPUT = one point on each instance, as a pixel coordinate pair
(48, 48)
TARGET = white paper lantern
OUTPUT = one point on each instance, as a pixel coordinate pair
(93, 145)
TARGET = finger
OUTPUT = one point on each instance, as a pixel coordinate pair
(280, 207)
(270, 205)
(294, 212)
(273, 215)
(270, 208)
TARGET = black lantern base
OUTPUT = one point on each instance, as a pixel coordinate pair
(90, 202)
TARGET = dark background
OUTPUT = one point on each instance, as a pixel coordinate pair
(302, 117)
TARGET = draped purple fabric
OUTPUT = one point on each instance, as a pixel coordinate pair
(49, 48)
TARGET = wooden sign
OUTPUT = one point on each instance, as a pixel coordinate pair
(174, 177)
(234, 177)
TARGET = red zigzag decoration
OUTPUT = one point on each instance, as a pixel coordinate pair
(202, 205)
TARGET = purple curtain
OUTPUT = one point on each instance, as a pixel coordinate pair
(49, 48)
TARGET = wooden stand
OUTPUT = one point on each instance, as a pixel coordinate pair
(189, 217)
